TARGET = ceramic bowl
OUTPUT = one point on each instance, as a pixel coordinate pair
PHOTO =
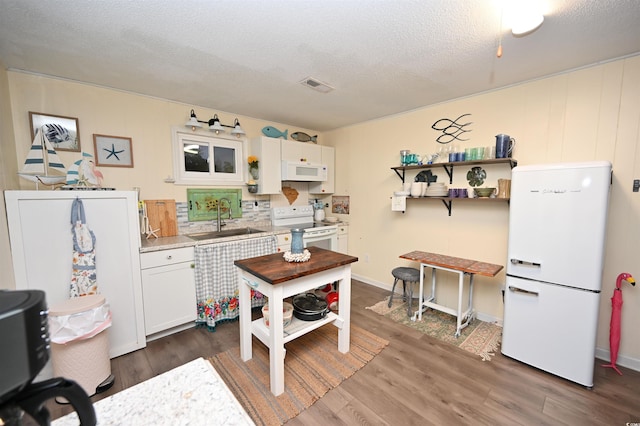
(287, 313)
(484, 192)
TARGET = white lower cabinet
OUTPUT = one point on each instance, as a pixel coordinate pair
(168, 289)
(343, 238)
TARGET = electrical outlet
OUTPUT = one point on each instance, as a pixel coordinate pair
(366, 258)
(636, 185)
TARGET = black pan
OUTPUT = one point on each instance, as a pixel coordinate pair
(309, 307)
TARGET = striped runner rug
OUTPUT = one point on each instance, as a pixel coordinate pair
(313, 366)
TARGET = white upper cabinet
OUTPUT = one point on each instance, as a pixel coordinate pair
(327, 159)
(267, 150)
(301, 152)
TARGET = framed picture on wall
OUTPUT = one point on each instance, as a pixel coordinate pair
(112, 151)
(62, 132)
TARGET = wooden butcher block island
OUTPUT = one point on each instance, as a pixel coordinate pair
(278, 279)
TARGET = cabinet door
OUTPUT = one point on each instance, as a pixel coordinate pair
(327, 186)
(301, 152)
(42, 245)
(169, 295)
(343, 239)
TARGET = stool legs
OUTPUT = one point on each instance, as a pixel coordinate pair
(393, 289)
(407, 295)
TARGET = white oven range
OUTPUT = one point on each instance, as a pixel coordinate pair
(316, 234)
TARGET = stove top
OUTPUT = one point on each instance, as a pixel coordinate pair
(298, 217)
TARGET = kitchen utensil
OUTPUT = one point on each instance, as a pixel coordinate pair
(485, 192)
(287, 314)
(162, 216)
(332, 300)
(404, 154)
(504, 145)
(504, 188)
(309, 307)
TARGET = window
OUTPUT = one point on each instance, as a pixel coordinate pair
(200, 158)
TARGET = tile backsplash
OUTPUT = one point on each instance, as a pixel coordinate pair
(254, 213)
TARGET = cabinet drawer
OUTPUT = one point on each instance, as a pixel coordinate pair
(166, 257)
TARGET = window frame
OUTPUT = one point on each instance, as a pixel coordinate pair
(181, 137)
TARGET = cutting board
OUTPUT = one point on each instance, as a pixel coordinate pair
(162, 216)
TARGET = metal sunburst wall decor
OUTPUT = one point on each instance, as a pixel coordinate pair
(451, 129)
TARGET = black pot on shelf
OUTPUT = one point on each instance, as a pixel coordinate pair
(309, 307)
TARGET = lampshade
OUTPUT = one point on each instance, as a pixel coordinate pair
(526, 24)
(193, 121)
(237, 130)
(215, 126)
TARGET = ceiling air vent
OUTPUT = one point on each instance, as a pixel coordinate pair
(316, 84)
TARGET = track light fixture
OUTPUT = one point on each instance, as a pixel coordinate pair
(214, 125)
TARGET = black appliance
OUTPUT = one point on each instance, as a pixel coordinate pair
(24, 333)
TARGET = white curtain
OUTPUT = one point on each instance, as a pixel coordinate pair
(217, 278)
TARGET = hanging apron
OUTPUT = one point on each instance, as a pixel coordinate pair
(83, 271)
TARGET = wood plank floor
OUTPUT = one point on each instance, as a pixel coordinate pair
(416, 380)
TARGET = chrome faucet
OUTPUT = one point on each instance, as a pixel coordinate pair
(220, 224)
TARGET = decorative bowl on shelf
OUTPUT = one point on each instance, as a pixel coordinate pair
(485, 192)
(253, 188)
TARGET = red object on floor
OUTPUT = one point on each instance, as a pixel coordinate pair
(614, 325)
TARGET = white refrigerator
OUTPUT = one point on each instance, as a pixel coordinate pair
(557, 226)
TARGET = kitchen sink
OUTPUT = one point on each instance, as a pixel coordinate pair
(224, 233)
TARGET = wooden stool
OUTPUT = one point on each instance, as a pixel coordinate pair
(406, 274)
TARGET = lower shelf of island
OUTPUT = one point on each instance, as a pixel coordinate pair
(294, 330)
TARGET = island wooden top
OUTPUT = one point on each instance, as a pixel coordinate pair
(273, 269)
(457, 263)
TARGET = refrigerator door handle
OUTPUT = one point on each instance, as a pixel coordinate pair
(524, 262)
(520, 290)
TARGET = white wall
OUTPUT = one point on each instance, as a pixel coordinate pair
(8, 177)
(589, 114)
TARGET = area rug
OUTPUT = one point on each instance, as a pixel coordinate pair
(480, 338)
(312, 367)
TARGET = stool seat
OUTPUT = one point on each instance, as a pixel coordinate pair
(406, 274)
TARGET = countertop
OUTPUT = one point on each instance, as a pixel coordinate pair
(273, 269)
(185, 395)
(180, 241)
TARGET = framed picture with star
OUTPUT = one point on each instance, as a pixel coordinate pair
(112, 151)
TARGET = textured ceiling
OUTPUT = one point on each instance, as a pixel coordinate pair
(247, 57)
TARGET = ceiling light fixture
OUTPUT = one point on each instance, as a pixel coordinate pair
(524, 16)
(214, 125)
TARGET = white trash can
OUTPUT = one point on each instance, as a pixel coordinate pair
(80, 342)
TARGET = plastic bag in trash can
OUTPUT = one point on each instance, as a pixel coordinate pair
(79, 326)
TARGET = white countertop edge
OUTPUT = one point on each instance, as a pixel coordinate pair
(180, 241)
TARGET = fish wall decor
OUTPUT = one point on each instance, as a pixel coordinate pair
(272, 132)
(451, 129)
(303, 137)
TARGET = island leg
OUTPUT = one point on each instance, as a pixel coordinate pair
(344, 310)
(276, 341)
(245, 315)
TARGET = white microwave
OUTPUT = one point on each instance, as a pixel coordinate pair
(303, 172)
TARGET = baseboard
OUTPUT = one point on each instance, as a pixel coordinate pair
(171, 330)
(387, 286)
(623, 361)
